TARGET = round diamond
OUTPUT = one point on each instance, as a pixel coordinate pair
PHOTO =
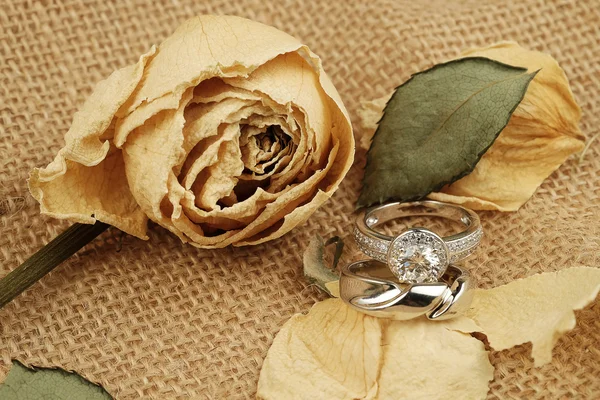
(417, 256)
(372, 220)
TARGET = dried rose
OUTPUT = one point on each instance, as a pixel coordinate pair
(229, 132)
(541, 134)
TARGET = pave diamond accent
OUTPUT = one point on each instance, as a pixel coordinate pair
(418, 256)
(378, 248)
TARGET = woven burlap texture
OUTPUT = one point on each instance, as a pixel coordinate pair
(159, 319)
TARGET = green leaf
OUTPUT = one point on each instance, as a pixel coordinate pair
(437, 125)
(23, 383)
(315, 270)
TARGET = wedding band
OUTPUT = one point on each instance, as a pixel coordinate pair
(370, 287)
(417, 255)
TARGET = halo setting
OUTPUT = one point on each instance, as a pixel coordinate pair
(418, 256)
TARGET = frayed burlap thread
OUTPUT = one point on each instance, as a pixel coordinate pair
(160, 319)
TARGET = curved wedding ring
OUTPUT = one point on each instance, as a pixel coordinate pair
(417, 255)
(370, 287)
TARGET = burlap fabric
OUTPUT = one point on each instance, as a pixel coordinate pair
(160, 319)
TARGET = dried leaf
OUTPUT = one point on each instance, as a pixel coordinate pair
(331, 353)
(437, 125)
(537, 309)
(315, 270)
(229, 133)
(541, 134)
(339, 249)
(428, 360)
(23, 383)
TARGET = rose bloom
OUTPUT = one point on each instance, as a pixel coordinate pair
(229, 132)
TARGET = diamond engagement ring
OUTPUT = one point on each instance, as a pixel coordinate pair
(417, 255)
(370, 287)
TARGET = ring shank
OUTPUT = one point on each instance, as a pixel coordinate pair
(377, 216)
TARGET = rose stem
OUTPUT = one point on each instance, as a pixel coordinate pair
(47, 258)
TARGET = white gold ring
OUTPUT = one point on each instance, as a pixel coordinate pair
(417, 255)
(370, 287)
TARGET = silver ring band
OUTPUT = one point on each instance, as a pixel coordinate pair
(369, 286)
(441, 251)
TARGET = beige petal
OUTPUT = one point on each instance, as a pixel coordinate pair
(537, 309)
(542, 133)
(151, 153)
(427, 360)
(369, 115)
(204, 133)
(86, 194)
(222, 175)
(208, 46)
(334, 352)
(215, 90)
(331, 353)
(243, 212)
(289, 210)
(86, 181)
(333, 287)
